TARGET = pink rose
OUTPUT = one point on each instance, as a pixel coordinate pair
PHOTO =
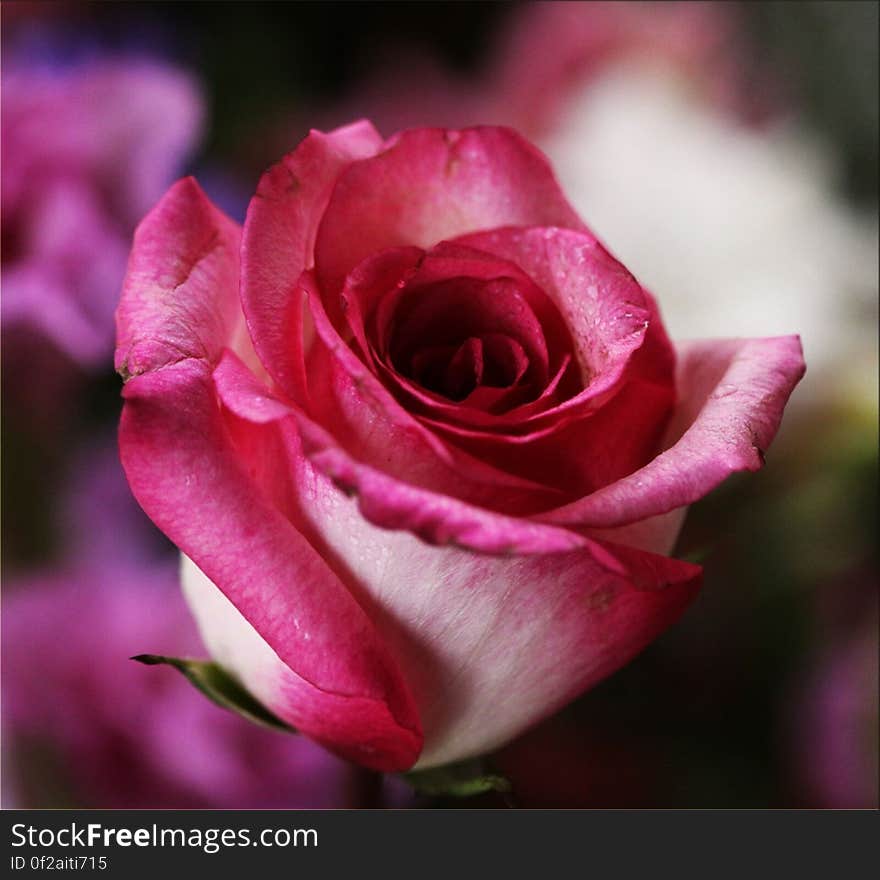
(423, 441)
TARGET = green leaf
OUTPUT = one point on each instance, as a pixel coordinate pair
(464, 779)
(220, 687)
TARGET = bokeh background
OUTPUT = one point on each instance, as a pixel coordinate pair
(727, 154)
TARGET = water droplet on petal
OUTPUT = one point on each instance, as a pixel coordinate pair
(724, 390)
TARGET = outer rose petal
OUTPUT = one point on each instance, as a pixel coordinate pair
(383, 499)
(493, 644)
(429, 185)
(731, 396)
(317, 662)
(179, 297)
(279, 238)
(486, 651)
(325, 668)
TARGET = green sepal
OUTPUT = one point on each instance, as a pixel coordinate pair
(219, 687)
(465, 779)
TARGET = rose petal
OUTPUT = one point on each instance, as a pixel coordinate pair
(579, 456)
(464, 372)
(581, 450)
(449, 268)
(370, 282)
(494, 410)
(657, 534)
(179, 307)
(383, 499)
(278, 242)
(308, 650)
(619, 336)
(353, 405)
(445, 313)
(603, 306)
(488, 653)
(732, 393)
(433, 184)
(179, 299)
(441, 608)
(402, 286)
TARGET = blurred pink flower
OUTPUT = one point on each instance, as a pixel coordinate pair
(411, 90)
(834, 722)
(98, 520)
(115, 734)
(542, 55)
(550, 51)
(86, 152)
(645, 110)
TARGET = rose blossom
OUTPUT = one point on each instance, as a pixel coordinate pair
(423, 441)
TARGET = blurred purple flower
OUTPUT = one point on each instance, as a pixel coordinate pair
(99, 521)
(125, 736)
(86, 151)
(86, 726)
(835, 724)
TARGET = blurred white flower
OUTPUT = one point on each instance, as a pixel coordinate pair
(734, 228)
